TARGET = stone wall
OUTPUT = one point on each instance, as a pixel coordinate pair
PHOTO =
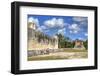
(79, 45)
(37, 40)
(35, 45)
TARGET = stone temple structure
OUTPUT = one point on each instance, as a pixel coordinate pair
(37, 40)
(79, 45)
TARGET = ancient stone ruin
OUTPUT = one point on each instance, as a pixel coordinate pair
(37, 40)
(39, 43)
(79, 45)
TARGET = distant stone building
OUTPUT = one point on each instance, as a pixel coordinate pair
(79, 45)
(37, 40)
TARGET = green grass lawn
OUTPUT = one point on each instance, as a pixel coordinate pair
(74, 50)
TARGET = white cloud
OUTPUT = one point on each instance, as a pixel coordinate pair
(30, 19)
(62, 31)
(46, 30)
(79, 19)
(54, 22)
(74, 28)
(71, 31)
(80, 38)
(50, 23)
(75, 31)
(83, 23)
(34, 20)
(60, 22)
(43, 27)
(39, 29)
(86, 34)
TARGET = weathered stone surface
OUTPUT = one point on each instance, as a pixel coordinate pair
(79, 45)
(42, 52)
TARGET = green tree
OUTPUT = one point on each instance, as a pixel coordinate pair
(64, 42)
(86, 44)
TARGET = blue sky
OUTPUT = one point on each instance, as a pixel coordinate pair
(74, 27)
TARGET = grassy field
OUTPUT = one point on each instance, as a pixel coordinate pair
(74, 50)
(45, 58)
(65, 54)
